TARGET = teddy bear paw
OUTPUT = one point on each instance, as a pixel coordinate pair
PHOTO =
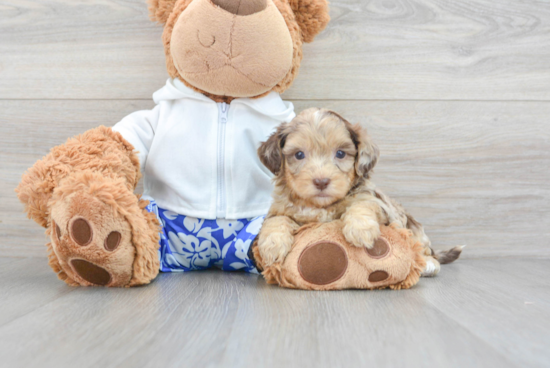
(92, 242)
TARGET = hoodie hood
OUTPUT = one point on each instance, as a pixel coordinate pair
(270, 105)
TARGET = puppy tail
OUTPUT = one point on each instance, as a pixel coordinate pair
(448, 256)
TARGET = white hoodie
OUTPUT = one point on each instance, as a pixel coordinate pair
(198, 157)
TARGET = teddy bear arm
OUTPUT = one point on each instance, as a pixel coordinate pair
(98, 148)
(36, 188)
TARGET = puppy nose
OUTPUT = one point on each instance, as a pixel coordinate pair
(241, 7)
(321, 183)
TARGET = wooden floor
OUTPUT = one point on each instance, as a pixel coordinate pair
(476, 313)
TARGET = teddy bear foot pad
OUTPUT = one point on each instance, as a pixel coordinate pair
(92, 242)
(323, 263)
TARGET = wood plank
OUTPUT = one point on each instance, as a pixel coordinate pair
(4, 260)
(407, 49)
(27, 284)
(232, 319)
(473, 173)
(503, 302)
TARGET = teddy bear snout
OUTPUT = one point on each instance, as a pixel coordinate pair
(241, 7)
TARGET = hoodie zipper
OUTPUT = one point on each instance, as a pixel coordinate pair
(222, 123)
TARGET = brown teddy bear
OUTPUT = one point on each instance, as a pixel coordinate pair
(204, 186)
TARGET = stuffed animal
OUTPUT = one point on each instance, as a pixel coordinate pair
(205, 188)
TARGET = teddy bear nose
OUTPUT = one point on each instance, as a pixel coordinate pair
(321, 183)
(241, 7)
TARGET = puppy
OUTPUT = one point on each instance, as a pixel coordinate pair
(322, 166)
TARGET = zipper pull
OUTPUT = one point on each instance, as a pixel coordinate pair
(224, 107)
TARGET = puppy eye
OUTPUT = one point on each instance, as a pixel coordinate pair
(340, 154)
(299, 155)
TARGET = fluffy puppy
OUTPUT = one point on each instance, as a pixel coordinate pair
(322, 167)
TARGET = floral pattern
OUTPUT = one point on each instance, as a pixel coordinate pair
(188, 243)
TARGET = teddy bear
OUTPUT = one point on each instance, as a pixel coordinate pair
(205, 189)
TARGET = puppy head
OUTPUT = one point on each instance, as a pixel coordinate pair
(319, 156)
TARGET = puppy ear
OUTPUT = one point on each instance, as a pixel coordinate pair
(271, 151)
(312, 16)
(367, 151)
(159, 10)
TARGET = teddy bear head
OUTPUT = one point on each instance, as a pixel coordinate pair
(237, 48)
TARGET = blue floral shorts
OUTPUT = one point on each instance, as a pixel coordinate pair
(188, 243)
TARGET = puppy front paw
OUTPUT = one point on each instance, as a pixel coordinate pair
(274, 247)
(361, 232)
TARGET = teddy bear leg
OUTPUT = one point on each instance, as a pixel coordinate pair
(101, 233)
(321, 259)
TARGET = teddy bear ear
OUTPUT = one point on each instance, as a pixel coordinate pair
(312, 16)
(159, 10)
